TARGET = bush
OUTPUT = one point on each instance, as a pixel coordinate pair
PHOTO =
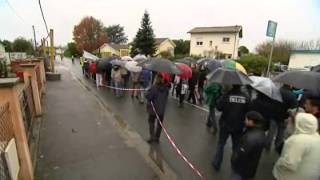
(254, 64)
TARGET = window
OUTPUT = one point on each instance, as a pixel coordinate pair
(210, 43)
(226, 39)
(199, 43)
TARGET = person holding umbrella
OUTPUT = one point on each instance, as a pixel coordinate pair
(212, 92)
(233, 105)
(157, 98)
(193, 81)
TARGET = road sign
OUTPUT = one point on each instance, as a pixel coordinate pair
(272, 28)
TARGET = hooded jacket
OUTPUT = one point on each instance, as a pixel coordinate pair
(158, 95)
(300, 158)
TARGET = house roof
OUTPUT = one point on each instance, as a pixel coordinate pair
(160, 40)
(119, 46)
(217, 29)
(296, 51)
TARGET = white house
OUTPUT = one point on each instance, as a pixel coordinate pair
(165, 45)
(210, 41)
(304, 59)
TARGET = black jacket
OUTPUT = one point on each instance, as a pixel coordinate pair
(245, 158)
(289, 102)
(158, 95)
(234, 105)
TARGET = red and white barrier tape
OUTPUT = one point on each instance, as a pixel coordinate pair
(124, 89)
(196, 170)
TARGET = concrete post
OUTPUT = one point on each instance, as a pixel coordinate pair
(9, 93)
(39, 62)
(29, 72)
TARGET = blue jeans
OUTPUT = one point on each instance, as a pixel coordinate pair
(223, 137)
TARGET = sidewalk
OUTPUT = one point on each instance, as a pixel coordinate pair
(79, 141)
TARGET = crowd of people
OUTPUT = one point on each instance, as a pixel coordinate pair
(252, 119)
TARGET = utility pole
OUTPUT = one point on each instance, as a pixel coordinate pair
(52, 51)
(34, 38)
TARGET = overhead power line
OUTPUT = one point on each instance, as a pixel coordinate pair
(15, 12)
(44, 19)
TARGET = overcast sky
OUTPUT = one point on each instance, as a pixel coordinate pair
(297, 19)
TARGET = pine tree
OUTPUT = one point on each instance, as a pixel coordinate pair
(144, 41)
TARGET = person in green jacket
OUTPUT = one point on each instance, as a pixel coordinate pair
(212, 92)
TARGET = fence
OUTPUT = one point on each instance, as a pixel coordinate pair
(6, 134)
(38, 78)
(27, 107)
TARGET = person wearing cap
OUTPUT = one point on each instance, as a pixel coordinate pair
(300, 158)
(157, 97)
(246, 157)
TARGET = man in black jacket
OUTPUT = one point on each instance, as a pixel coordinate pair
(245, 158)
(193, 81)
(234, 106)
(157, 98)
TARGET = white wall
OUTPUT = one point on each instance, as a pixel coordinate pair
(230, 47)
(302, 60)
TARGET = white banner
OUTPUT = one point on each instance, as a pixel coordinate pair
(88, 55)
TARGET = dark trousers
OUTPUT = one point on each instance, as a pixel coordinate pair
(181, 99)
(223, 137)
(276, 129)
(200, 89)
(154, 126)
(192, 95)
(211, 122)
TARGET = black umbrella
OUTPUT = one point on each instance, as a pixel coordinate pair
(228, 76)
(203, 61)
(214, 64)
(316, 68)
(187, 61)
(161, 65)
(301, 79)
(103, 63)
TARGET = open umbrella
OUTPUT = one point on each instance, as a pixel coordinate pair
(186, 71)
(301, 79)
(267, 87)
(228, 76)
(187, 60)
(161, 65)
(117, 62)
(203, 61)
(316, 68)
(231, 64)
(126, 58)
(139, 57)
(214, 64)
(132, 66)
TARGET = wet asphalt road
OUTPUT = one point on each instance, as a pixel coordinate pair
(187, 128)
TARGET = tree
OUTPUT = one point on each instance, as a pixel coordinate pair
(255, 64)
(22, 45)
(281, 50)
(89, 35)
(116, 34)
(182, 47)
(144, 41)
(242, 50)
(72, 50)
(7, 45)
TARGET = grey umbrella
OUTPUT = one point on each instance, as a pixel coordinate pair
(301, 79)
(203, 61)
(229, 77)
(117, 62)
(161, 65)
(102, 63)
(267, 87)
(316, 68)
(214, 64)
(187, 61)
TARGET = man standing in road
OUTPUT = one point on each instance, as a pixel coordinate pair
(157, 98)
(233, 106)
